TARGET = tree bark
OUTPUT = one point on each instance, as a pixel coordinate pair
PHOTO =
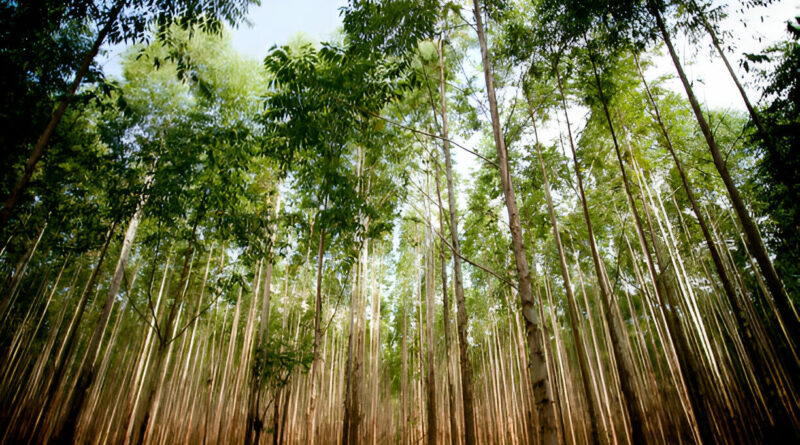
(60, 363)
(431, 342)
(404, 381)
(687, 361)
(140, 418)
(445, 300)
(254, 422)
(312, 407)
(571, 306)
(548, 431)
(461, 311)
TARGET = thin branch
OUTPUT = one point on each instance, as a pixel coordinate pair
(414, 130)
(479, 266)
(195, 317)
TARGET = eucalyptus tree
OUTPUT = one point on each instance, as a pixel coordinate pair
(776, 183)
(318, 112)
(453, 224)
(199, 146)
(217, 89)
(116, 22)
(89, 212)
(285, 180)
(40, 43)
(694, 374)
(401, 25)
(270, 358)
(754, 242)
(548, 432)
(404, 288)
(785, 313)
(295, 137)
(617, 26)
(571, 23)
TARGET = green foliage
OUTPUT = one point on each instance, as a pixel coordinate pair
(391, 27)
(776, 180)
(208, 143)
(136, 19)
(278, 360)
(320, 128)
(42, 43)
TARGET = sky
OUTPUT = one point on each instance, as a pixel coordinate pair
(749, 34)
(275, 22)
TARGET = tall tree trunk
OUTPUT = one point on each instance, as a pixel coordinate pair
(754, 242)
(784, 424)
(355, 348)
(461, 311)
(356, 368)
(420, 346)
(619, 340)
(687, 361)
(254, 422)
(349, 363)
(445, 300)
(312, 406)
(65, 429)
(41, 143)
(66, 350)
(430, 273)
(655, 278)
(548, 430)
(580, 349)
(140, 418)
(404, 380)
(375, 339)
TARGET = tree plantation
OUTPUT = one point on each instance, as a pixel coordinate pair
(462, 222)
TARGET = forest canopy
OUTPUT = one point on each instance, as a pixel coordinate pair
(450, 222)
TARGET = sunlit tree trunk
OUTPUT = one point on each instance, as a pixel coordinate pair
(572, 308)
(375, 339)
(619, 340)
(255, 423)
(404, 380)
(548, 432)
(68, 345)
(164, 334)
(465, 366)
(429, 277)
(446, 316)
(312, 406)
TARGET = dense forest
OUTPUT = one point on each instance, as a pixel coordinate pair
(211, 248)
